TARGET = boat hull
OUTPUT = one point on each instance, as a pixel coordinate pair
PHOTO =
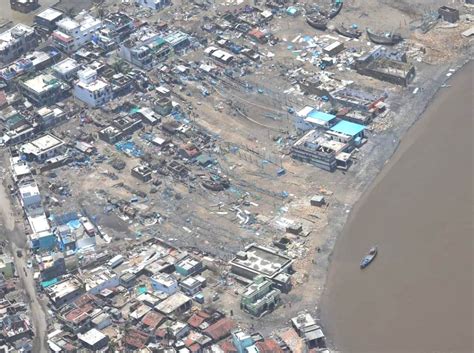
(367, 260)
(317, 23)
(392, 39)
(348, 33)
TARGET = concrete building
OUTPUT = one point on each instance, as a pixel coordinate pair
(175, 304)
(73, 34)
(259, 261)
(52, 266)
(24, 6)
(347, 132)
(48, 117)
(30, 62)
(188, 266)
(118, 26)
(91, 89)
(64, 292)
(142, 172)
(47, 19)
(153, 4)
(164, 283)
(121, 126)
(309, 118)
(163, 106)
(260, 297)
(66, 70)
(190, 286)
(30, 196)
(378, 63)
(44, 89)
(99, 279)
(42, 148)
(16, 41)
(145, 48)
(306, 327)
(317, 149)
(449, 14)
(93, 340)
(44, 240)
(178, 40)
(243, 342)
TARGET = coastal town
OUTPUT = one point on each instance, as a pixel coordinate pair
(174, 174)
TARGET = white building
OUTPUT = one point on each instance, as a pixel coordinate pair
(66, 69)
(164, 283)
(16, 41)
(91, 89)
(93, 340)
(64, 292)
(43, 89)
(30, 195)
(72, 34)
(153, 4)
(42, 148)
(99, 279)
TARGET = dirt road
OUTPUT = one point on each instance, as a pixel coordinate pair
(17, 241)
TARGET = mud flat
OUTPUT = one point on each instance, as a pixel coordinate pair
(417, 295)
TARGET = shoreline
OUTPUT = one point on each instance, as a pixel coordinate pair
(338, 218)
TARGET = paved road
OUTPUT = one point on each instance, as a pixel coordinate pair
(17, 241)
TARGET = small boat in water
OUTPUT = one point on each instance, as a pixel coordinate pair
(348, 32)
(368, 258)
(317, 21)
(384, 38)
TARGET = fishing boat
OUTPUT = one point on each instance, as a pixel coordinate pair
(348, 32)
(317, 22)
(389, 38)
(368, 258)
(335, 9)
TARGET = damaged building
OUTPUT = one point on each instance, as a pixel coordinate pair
(378, 64)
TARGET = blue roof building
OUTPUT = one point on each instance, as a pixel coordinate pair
(346, 131)
(323, 119)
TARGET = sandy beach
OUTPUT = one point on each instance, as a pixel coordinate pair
(417, 296)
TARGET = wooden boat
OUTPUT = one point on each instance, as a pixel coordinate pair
(317, 22)
(348, 32)
(335, 9)
(384, 38)
(368, 258)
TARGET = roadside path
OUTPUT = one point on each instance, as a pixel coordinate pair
(17, 241)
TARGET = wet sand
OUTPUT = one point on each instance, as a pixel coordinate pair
(417, 296)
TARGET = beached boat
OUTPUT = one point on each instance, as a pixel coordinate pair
(389, 38)
(335, 9)
(317, 22)
(348, 32)
(368, 258)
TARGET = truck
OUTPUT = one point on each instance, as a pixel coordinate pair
(115, 261)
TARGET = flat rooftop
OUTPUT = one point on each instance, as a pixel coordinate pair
(41, 145)
(42, 83)
(91, 337)
(261, 260)
(65, 66)
(11, 36)
(50, 14)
